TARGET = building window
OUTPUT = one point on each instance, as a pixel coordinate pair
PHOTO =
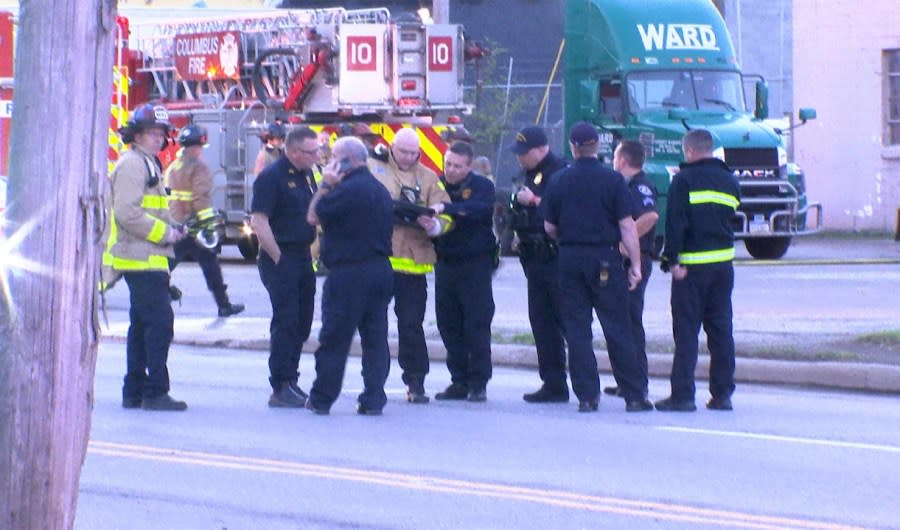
(892, 99)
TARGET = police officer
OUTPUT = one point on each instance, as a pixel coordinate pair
(140, 243)
(464, 301)
(699, 253)
(588, 209)
(356, 213)
(190, 182)
(410, 182)
(628, 159)
(273, 148)
(539, 257)
(281, 196)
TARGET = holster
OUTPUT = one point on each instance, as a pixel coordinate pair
(538, 247)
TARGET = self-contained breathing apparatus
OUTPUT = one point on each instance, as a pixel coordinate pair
(207, 232)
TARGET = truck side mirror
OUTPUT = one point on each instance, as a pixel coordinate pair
(807, 114)
(762, 100)
(588, 98)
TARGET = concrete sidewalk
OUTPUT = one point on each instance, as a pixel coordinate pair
(252, 333)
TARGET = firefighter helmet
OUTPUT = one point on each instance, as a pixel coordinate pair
(192, 134)
(276, 130)
(147, 116)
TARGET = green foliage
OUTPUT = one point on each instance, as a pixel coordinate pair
(494, 109)
(881, 338)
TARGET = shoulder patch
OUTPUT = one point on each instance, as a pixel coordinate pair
(645, 190)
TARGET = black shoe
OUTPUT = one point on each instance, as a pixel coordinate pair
(719, 403)
(163, 402)
(365, 411)
(674, 405)
(230, 309)
(415, 393)
(477, 396)
(455, 391)
(638, 405)
(546, 395)
(131, 403)
(289, 396)
(590, 405)
(612, 391)
(315, 409)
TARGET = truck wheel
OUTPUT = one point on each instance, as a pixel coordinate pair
(249, 247)
(767, 247)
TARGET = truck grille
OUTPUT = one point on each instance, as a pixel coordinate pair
(752, 158)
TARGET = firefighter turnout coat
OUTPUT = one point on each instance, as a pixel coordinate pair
(413, 251)
(140, 231)
(190, 182)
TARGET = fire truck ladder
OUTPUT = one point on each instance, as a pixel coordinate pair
(310, 36)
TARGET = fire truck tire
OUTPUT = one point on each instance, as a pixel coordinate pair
(767, 247)
(249, 247)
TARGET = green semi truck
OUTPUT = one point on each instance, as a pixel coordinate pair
(649, 70)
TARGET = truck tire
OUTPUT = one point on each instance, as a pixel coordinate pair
(767, 247)
(249, 247)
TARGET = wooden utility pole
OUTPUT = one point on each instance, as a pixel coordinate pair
(48, 323)
(441, 10)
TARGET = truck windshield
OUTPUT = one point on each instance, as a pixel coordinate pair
(688, 89)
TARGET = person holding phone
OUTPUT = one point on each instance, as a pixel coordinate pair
(356, 214)
(281, 197)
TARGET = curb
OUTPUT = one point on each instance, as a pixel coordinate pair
(874, 378)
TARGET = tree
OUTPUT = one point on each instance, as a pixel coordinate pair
(48, 310)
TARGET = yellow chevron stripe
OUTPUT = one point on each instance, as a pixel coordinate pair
(430, 150)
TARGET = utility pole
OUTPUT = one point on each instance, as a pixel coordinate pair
(49, 270)
(441, 10)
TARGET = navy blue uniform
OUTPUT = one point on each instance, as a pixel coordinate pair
(586, 202)
(539, 257)
(702, 200)
(643, 200)
(464, 300)
(357, 222)
(282, 192)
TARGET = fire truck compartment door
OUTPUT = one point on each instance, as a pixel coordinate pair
(363, 62)
(444, 64)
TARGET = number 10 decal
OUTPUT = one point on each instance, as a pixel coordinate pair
(360, 53)
(440, 54)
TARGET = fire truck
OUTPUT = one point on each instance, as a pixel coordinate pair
(237, 72)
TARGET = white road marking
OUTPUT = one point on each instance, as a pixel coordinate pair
(788, 439)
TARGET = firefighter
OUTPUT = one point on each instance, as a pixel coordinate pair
(588, 210)
(141, 236)
(281, 196)
(273, 148)
(464, 300)
(538, 256)
(699, 253)
(190, 183)
(411, 183)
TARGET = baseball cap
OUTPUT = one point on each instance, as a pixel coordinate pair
(583, 133)
(528, 138)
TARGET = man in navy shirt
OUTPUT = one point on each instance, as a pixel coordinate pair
(628, 160)
(281, 195)
(588, 210)
(357, 219)
(464, 300)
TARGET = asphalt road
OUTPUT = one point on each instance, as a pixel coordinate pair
(822, 295)
(783, 459)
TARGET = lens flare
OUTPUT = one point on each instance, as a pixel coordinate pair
(12, 262)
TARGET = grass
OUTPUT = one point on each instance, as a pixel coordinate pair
(881, 339)
(796, 354)
(526, 339)
(845, 235)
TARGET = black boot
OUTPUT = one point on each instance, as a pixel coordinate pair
(226, 308)
(415, 391)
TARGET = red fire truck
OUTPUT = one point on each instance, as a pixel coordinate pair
(236, 72)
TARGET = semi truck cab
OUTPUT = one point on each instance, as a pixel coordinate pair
(651, 72)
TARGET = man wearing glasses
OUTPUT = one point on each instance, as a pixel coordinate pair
(281, 196)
